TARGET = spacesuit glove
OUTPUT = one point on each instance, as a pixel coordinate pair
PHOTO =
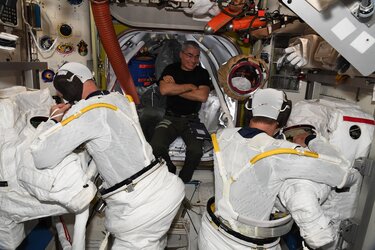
(280, 62)
(294, 56)
(200, 7)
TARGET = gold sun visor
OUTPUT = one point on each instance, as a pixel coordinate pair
(241, 75)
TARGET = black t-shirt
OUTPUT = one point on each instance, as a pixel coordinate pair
(199, 76)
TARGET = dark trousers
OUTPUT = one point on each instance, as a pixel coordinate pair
(166, 132)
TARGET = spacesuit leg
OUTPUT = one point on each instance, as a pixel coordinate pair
(159, 241)
(140, 219)
(209, 238)
(11, 233)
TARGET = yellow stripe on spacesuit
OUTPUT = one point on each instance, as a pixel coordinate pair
(283, 151)
(130, 98)
(214, 143)
(85, 109)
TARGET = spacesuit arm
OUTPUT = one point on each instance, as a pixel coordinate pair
(302, 198)
(320, 144)
(48, 151)
(328, 169)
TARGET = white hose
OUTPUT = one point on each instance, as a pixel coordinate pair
(63, 235)
(79, 237)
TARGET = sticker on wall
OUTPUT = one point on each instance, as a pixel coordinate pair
(75, 2)
(82, 48)
(46, 42)
(48, 75)
(65, 30)
(65, 48)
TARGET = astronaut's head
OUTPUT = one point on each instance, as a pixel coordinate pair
(69, 80)
(270, 103)
(189, 55)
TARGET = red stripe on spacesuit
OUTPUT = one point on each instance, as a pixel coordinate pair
(360, 120)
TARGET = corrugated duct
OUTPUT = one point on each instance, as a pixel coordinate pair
(107, 34)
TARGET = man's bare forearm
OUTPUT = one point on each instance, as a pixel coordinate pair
(200, 94)
(175, 89)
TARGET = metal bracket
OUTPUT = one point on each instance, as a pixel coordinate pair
(364, 165)
(130, 188)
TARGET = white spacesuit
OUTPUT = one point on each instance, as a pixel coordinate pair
(142, 197)
(317, 208)
(251, 167)
(27, 193)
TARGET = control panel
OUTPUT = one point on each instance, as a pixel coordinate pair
(9, 13)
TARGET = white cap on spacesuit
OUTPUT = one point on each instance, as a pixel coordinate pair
(77, 69)
(270, 103)
(69, 80)
(267, 103)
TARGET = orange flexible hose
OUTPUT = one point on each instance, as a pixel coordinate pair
(107, 34)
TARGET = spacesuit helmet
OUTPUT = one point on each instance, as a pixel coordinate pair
(69, 80)
(270, 103)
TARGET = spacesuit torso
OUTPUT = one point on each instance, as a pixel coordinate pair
(249, 190)
(114, 139)
(316, 208)
(26, 192)
(101, 128)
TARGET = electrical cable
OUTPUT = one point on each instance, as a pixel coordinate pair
(192, 223)
(249, 29)
(66, 231)
(33, 36)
